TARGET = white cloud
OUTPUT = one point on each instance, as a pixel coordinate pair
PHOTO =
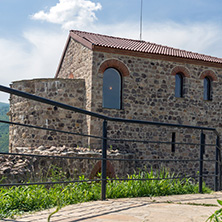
(38, 57)
(197, 37)
(70, 13)
(39, 54)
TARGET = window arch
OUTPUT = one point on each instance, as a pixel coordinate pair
(207, 88)
(112, 89)
(179, 79)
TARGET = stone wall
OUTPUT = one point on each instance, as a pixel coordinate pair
(70, 92)
(77, 64)
(148, 92)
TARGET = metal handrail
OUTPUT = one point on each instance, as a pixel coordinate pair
(100, 116)
(105, 139)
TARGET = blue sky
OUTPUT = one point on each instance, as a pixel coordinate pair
(33, 33)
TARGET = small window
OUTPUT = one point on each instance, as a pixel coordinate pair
(207, 88)
(179, 85)
(112, 84)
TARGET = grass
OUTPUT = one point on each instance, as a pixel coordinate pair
(217, 215)
(136, 188)
(199, 204)
(18, 200)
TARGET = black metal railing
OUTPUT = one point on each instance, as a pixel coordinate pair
(105, 139)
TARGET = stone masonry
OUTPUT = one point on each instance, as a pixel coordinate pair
(148, 93)
(70, 92)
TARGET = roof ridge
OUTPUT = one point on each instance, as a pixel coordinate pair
(109, 36)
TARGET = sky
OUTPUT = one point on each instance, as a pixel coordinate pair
(33, 33)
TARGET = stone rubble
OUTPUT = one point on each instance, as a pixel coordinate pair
(15, 168)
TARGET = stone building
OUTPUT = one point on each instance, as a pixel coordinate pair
(152, 82)
(123, 78)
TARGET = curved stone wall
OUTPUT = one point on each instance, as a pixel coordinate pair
(71, 92)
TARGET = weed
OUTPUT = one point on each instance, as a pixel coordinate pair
(201, 204)
(17, 200)
(217, 215)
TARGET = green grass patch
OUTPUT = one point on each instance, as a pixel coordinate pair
(138, 188)
(18, 200)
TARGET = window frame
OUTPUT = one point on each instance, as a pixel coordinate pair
(120, 92)
(207, 88)
(179, 85)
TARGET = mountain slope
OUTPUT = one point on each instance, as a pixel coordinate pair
(4, 128)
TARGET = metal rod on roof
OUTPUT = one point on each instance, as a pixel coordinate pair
(141, 19)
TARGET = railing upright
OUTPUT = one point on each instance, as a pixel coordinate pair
(104, 155)
(220, 168)
(219, 163)
(216, 164)
(173, 142)
(202, 147)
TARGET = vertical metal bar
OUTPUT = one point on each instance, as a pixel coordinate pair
(220, 167)
(141, 19)
(219, 162)
(173, 142)
(202, 145)
(216, 165)
(104, 155)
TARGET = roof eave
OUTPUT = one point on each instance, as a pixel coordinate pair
(62, 57)
(156, 56)
(81, 40)
(78, 39)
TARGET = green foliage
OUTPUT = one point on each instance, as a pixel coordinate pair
(4, 128)
(17, 200)
(138, 188)
(217, 215)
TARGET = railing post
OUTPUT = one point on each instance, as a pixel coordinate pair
(202, 146)
(219, 162)
(104, 156)
(173, 142)
(220, 166)
(216, 164)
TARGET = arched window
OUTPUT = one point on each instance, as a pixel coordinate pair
(179, 85)
(207, 88)
(112, 88)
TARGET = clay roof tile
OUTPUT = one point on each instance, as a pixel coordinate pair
(142, 46)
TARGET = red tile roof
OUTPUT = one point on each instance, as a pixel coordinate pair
(141, 46)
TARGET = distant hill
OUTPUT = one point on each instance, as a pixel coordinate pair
(4, 128)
